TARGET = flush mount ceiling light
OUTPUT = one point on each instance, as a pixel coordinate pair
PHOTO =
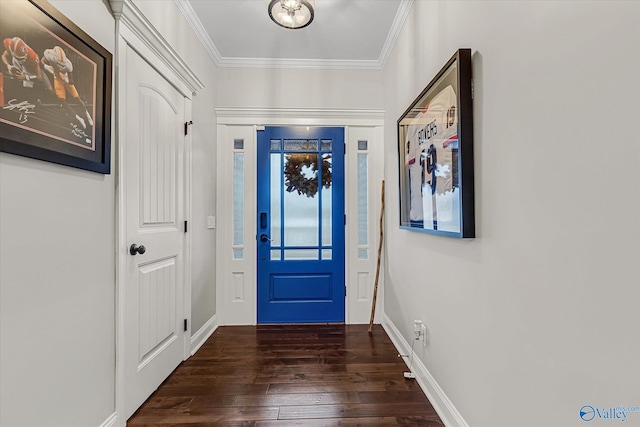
(292, 14)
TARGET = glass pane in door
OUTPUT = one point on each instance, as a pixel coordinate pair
(301, 225)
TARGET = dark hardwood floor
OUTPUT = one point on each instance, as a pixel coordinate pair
(303, 375)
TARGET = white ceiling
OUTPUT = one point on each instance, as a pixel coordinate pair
(344, 33)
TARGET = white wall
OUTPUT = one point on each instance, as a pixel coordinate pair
(203, 196)
(57, 264)
(538, 315)
(57, 280)
(299, 88)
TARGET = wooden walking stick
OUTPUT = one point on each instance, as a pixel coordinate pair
(375, 286)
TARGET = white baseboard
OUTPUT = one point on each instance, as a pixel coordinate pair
(203, 334)
(439, 400)
(112, 421)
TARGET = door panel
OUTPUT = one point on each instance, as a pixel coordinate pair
(300, 225)
(156, 308)
(153, 168)
(158, 157)
(317, 287)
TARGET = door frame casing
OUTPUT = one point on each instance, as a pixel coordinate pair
(238, 122)
(134, 32)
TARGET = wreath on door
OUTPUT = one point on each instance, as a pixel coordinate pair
(301, 173)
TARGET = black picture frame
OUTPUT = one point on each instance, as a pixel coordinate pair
(55, 88)
(435, 148)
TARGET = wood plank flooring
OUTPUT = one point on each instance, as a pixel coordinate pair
(284, 375)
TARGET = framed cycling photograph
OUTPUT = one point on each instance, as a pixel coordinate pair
(435, 147)
(55, 88)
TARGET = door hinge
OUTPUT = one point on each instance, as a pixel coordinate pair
(345, 219)
(186, 126)
(345, 291)
(345, 149)
(185, 226)
(185, 325)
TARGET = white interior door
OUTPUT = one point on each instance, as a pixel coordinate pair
(154, 187)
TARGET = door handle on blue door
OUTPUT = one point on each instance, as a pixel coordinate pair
(265, 238)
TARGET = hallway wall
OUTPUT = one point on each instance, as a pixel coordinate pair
(57, 280)
(57, 255)
(538, 315)
(299, 88)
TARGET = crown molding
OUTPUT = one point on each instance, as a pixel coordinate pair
(375, 64)
(394, 32)
(127, 13)
(300, 63)
(192, 19)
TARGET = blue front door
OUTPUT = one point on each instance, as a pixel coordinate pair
(301, 225)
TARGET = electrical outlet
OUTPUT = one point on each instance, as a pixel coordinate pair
(417, 329)
(423, 334)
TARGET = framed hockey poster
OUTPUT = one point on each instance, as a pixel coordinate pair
(55, 88)
(435, 144)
